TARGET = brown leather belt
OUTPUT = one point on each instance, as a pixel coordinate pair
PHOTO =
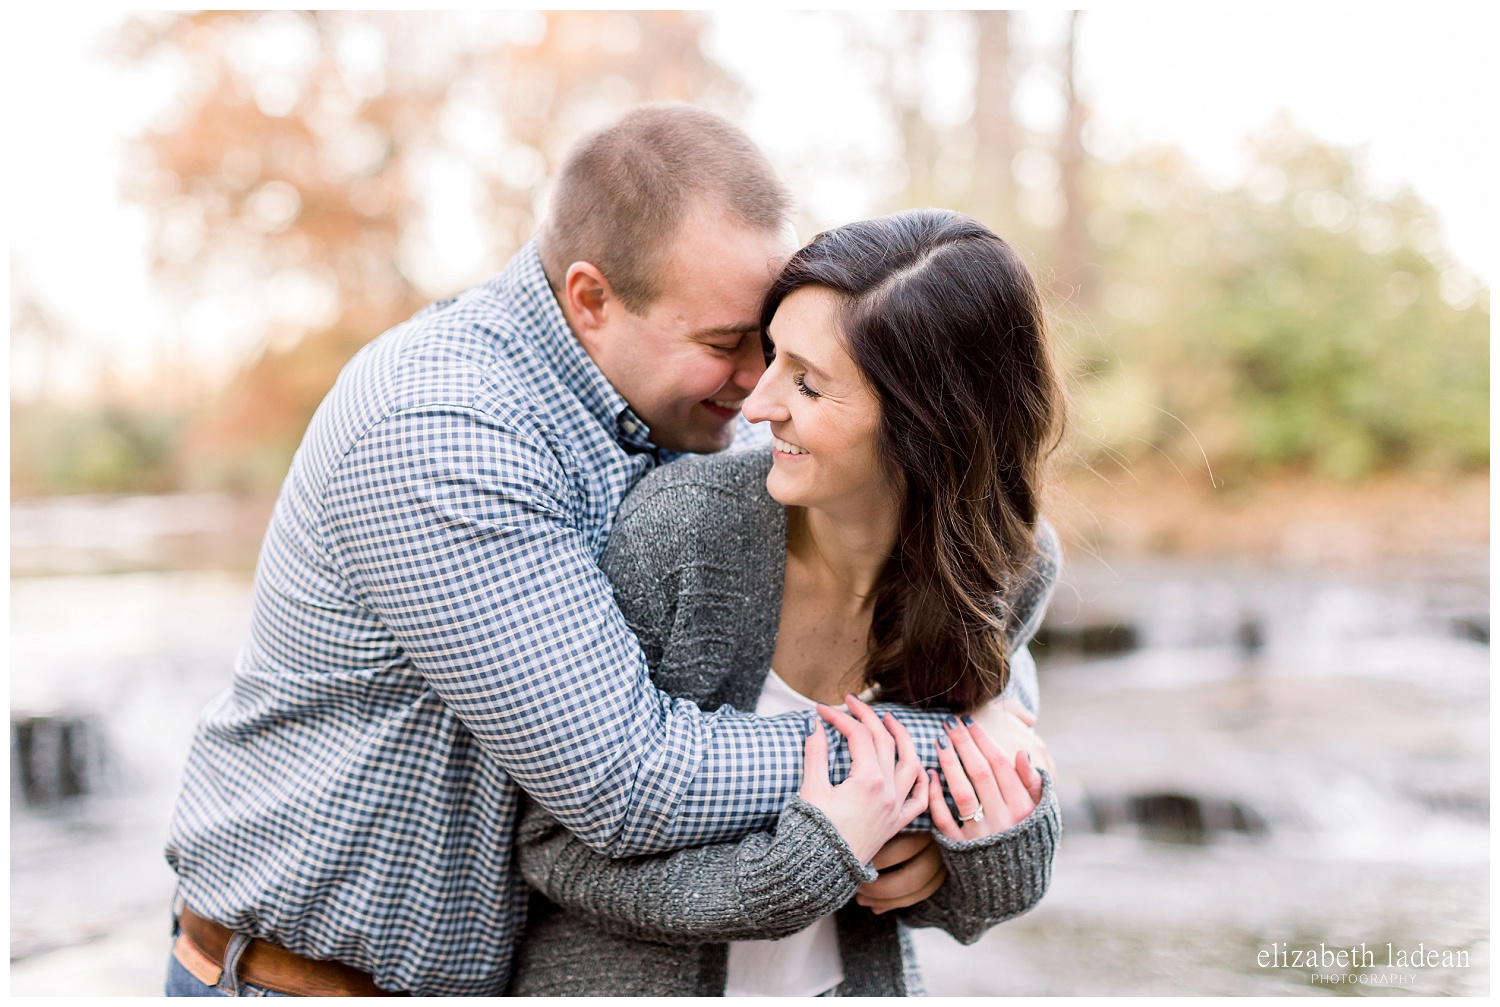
(201, 946)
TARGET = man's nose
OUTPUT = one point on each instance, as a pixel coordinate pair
(749, 362)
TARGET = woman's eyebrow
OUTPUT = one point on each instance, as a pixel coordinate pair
(811, 367)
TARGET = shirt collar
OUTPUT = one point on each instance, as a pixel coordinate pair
(525, 284)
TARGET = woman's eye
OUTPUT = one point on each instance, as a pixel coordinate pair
(801, 384)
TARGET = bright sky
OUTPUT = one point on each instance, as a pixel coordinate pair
(1411, 89)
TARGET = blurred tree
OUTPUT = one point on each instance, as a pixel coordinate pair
(108, 448)
(996, 135)
(61, 441)
(965, 165)
(37, 341)
(351, 166)
(1026, 185)
(1074, 251)
(1297, 320)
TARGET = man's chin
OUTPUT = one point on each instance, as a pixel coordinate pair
(701, 442)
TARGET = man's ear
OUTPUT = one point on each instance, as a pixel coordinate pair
(588, 301)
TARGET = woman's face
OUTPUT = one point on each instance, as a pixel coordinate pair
(824, 417)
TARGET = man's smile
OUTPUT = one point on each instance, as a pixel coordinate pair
(725, 408)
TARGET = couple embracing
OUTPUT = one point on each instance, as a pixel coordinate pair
(547, 692)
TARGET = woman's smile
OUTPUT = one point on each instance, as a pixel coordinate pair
(824, 417)
(786, 447)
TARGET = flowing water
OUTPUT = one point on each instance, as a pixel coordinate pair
(1252, 762)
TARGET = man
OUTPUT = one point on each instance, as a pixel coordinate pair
(431, 633)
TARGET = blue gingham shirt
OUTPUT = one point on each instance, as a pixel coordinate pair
(431, 634)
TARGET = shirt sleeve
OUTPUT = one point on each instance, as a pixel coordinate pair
(463, 534)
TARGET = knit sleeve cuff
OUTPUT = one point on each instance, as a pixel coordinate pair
(808, 869)
(999, 876)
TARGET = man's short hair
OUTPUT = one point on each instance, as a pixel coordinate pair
(623, 192)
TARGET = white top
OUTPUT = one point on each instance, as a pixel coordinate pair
(807, 963)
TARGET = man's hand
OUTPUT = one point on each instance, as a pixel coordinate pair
(1012, 728)
(911, 868)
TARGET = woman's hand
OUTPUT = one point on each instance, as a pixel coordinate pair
(885, 789)
(989, 790)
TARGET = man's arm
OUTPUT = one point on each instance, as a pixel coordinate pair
(766, 886)
(461, 532)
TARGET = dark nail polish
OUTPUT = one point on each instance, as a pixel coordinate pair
(968, 720)
(951, 721)
(942, 742)
(812, 725)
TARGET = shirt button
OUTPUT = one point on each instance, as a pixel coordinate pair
(629, 426)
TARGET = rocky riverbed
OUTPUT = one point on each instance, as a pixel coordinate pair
(1251, 759)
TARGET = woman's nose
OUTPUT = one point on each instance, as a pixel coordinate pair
(763, 403)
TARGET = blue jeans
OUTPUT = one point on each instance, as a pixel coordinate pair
(182, 983)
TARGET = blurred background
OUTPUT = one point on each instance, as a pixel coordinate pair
(1265, 242)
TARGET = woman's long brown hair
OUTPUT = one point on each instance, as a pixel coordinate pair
(945, 322)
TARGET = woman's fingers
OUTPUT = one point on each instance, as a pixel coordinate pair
(906, 749)
(992, 752)
(981, 771)
(815, 761)
(942, 818)
(1030, 778)
(916, 800)
(885, 745)
(861, 747)
(958, 783)
(1017, 802)
(909, 769)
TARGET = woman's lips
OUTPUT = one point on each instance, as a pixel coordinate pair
(786, 447)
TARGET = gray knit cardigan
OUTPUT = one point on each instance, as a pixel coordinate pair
(697, 558)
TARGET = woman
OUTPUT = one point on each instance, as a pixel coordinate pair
(889, 544)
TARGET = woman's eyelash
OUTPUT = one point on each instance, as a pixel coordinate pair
(801, 384)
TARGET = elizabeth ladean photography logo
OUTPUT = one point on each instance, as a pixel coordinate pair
(1362, 956)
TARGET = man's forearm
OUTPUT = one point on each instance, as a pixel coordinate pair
(766, 886)
(472, 557)
(736, 753)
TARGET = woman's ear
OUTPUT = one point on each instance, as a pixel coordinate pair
(588, 302)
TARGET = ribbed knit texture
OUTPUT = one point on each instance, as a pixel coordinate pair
(768, 885)
(697, 559)
(995, 877)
